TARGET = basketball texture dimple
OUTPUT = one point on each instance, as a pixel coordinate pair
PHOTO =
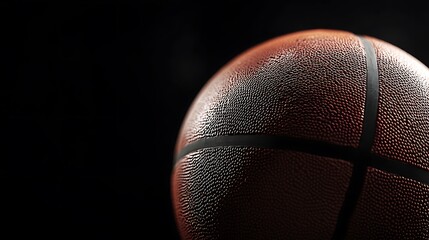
(273, 145)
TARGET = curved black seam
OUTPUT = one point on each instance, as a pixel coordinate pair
(363, 158)
(313, 147)
(273, 142)
(371, 100)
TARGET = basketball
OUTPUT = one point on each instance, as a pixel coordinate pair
(316, 134)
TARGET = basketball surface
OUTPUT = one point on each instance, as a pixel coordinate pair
(318, 134)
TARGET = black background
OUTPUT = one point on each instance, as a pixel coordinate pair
(95, 92)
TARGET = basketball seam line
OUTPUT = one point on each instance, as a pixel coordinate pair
(362, 162)
(317, 148)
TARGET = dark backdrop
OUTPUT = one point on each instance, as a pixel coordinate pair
(95, 92)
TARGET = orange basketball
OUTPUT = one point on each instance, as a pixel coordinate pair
(318, 134)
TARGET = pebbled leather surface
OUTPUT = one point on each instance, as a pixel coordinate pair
(309, 85)
(403, 116)
(253, 193)
(391, 207)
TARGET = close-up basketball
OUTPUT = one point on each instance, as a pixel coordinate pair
(215, 120)
(316, 134)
